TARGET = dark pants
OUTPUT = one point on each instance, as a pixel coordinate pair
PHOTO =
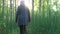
(23, 29)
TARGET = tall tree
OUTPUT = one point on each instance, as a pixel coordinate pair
(10, 16)
(33, 10)
(3, 9)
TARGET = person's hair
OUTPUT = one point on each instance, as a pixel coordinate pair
(22, 2)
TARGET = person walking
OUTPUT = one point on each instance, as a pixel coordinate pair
(22, 17)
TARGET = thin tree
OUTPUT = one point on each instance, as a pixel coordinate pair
(33, 10)
(3, 9)
(10, 16)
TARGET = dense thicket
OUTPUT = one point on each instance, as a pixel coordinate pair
(45, 17)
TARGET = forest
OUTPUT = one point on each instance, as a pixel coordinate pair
(44, 14)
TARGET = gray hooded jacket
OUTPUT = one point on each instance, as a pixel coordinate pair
(22, 15)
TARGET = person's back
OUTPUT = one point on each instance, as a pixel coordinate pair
(22, 17)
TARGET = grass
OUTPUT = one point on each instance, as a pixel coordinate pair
(38, 25)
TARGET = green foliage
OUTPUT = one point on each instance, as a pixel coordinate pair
(45, 20)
